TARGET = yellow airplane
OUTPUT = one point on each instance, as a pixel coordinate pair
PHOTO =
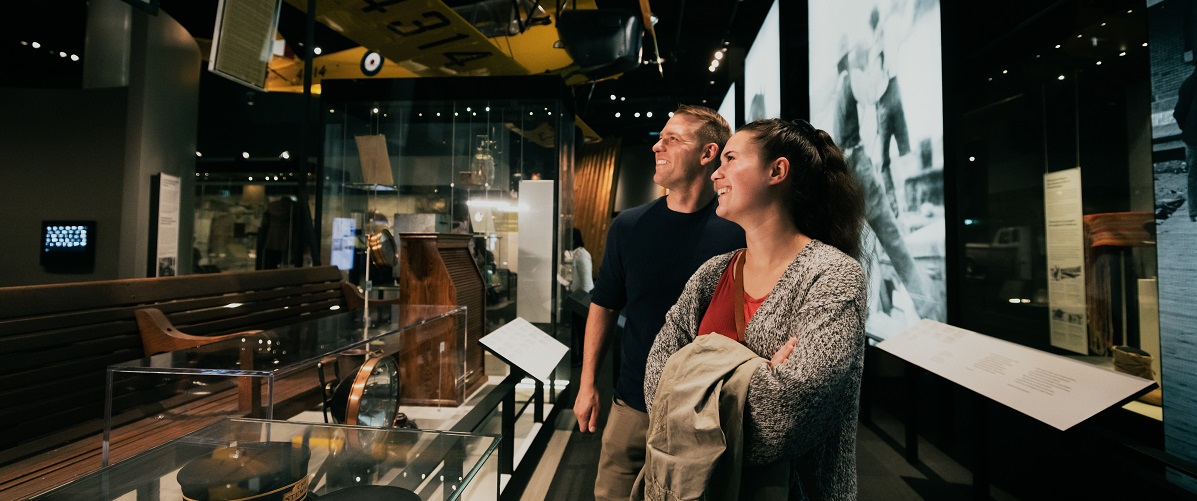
(419, 38)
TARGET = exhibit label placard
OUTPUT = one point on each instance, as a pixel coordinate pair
(167, 248)
(1053, 389)
(525, 346)
(1065, 235)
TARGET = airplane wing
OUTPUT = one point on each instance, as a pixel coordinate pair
(426, 38)
(430, 39)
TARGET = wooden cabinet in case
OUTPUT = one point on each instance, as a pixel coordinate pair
(438, 269)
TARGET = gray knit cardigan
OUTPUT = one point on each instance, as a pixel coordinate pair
(804, 410)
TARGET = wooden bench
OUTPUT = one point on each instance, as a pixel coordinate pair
(56, 342)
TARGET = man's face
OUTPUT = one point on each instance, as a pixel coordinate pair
(678, 152)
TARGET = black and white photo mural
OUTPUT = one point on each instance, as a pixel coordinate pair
(1172, 26)
(762, 70)
(876, 86)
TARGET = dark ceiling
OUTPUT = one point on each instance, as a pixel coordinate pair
(688, 34)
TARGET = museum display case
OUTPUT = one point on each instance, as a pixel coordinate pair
(275, 374)
(1058, 205)
(247, 458)
(452, 156)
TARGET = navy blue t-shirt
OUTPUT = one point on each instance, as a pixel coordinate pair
(651, 252)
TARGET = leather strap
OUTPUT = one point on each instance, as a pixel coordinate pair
(738, 293)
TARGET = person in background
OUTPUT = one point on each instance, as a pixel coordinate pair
(583, 270)
(1186, 117)
(650, 252)
(796, 297)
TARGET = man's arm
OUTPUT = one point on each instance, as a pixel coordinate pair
(600, 322)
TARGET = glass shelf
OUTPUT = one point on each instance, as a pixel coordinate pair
(252, 376)
(313, 460)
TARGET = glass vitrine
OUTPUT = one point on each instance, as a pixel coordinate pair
(245, 458)
(278, 373)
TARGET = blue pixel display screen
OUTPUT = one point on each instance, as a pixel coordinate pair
(66, 238)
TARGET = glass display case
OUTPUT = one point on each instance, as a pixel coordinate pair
(1056, 220)
(488, 157)
(278, 373)
(246, 458)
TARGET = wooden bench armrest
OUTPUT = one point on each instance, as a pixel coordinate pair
(158, 335)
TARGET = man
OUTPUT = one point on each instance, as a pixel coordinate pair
(1186, 118)
(651, 252)
(881, 219)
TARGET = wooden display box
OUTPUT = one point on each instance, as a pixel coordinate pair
(438, 269)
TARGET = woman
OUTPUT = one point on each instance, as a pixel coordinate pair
(583, 269)
(796, 294)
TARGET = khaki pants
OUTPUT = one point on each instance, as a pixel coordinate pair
(622, 454)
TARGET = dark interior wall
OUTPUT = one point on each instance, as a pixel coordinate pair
(164, 74)
(63, 157)
(90, 154)
(635, 184)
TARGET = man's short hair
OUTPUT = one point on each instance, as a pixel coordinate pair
(714, 128)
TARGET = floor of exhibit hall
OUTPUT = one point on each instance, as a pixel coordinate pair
(567, 469)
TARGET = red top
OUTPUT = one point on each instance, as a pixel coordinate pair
(720, 315)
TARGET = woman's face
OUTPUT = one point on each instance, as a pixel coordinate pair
(742, 179)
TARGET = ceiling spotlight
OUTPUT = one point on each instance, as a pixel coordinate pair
(715, 63)
(438, 113)
(285, 155)
(62, 54)
(711, 69)
(74, 57)
(37, 45)
(1123, 53)
(198, 154)
(617, 114)
(316, 51)
(649, 114)
(612, 97)
(623, 99)
(1061, 77)
(330, 110)
(1099, 63)
(245, 155)
(375, 111)
(671, 114)
(1057, 46)
(468, 108)
(488, 109)
(636, 114)
(719, 55)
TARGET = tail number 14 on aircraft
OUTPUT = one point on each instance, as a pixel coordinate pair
(432, 27)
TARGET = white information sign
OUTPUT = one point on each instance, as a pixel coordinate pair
(1065, 234)
(167, 249)
(343, 243)
(525, 346)
(1050, 388)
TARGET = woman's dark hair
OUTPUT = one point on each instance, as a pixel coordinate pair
(825, 201)
(578, 239)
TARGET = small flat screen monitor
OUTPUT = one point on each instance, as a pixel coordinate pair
(68, 244)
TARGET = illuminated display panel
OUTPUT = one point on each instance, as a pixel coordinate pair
(762, 71)
(876, 86)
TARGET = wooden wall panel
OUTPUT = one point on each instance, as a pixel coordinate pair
(594, 194)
